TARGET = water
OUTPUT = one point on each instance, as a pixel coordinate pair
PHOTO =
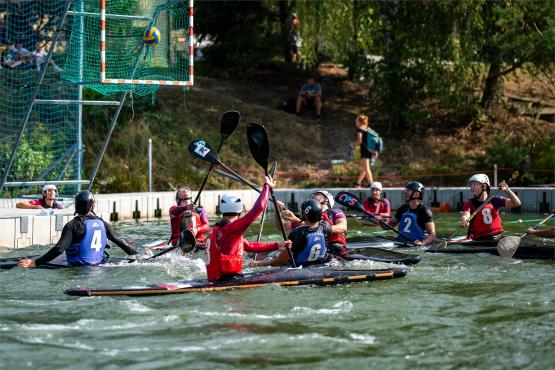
(451, 311)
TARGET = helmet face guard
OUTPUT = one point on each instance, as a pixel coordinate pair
(327, 196)
(480, 178)
(47, 187)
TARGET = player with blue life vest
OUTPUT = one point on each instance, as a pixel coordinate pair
(415, 220)
(309, 240)
(83, 239)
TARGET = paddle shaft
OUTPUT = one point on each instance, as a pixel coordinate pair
(208, 174)
(538, 225)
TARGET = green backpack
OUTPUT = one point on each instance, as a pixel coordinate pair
(374, 142)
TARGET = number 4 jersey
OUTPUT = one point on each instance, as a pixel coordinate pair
(487, 222)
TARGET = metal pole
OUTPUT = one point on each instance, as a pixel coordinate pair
(80, 98)
(35, 94)
(149, 165)
(495, 175)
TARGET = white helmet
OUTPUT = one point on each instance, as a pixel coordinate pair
(481, 178)
(231, 204)
(376, 185)
(326, 195)
(48, 187)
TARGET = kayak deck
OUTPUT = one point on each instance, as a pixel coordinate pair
(284, 277)
(524, 251)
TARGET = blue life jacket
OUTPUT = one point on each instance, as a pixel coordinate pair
(410, 228)
(90, 251)
(315, 248)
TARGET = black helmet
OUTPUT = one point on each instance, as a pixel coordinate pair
(84, 202)
(311, 210)
(416, 186)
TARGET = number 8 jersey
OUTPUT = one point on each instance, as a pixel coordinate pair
(487, 222)
(90, 251)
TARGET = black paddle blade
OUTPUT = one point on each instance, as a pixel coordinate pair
(202, 150)
(187, 241)
(229, 122)
(258, 144)
(520, 169)
(349, 200)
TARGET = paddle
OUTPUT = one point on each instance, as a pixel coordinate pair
(228, 124)
(202, 150)
(351, 201)
(518, 170)
(272, 173)
(509, 244)
(186, 238)
(232, 177)
(260, 150)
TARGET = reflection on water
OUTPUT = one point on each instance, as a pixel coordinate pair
(451, 311)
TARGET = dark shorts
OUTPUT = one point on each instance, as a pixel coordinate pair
(364, 153)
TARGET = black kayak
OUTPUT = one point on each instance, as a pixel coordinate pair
(58, 263)
(381, 255)
(322, 276)
(377, 242)
(525, 251)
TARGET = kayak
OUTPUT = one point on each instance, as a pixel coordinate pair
(524, 251)
(369, 241)
(59, 262)
(322, 276)
(381, 255)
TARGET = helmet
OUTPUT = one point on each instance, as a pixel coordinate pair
(48, 187)
(327, 195)
(84, 202)
(416, 186)
(182, 189)
(481, 178)
(376, 185)
(231, 204)
(311, 210)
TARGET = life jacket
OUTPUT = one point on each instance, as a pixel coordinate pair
(486, 222)
(315, 248)
(374, 206)
(338, 238)
(374, 142)
(409, 227)
(90, 251)
(176, 226)
(219, 264)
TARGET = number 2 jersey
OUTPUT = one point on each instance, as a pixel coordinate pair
(89, 232)
(487, 222)
(412, 222)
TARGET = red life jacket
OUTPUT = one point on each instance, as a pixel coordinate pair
(486, 222)
(219, 264)
(175, 222)
(375, 207)
(336, 238)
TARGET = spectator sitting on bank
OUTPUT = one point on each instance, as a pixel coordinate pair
(48, 200)
(310, 94)
(40, 59)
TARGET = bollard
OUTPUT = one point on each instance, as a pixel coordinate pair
(293, 206)
(158, 210)
(136, 212)
(114, 214)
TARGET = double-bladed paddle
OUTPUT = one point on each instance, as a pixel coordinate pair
(516, 173)
(202, 150)
(259, 236)
(351, 201)
(260, 150)
(187, 242)
(508, 245)
(228, 124)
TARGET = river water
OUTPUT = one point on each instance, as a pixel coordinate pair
(449, 312)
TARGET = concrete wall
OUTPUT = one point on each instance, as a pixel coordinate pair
(23, 227)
